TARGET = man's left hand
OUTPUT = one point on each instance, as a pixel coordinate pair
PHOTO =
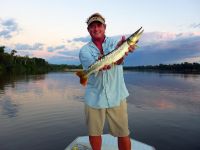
(130, 49)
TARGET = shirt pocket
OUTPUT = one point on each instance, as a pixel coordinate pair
(95, 54)
(109, 48)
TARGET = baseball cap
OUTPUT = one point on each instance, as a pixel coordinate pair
(95, 17)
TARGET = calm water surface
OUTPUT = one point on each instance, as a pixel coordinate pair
(45, 112)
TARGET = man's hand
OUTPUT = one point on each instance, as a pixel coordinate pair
(121, 41)
(131, 49)
(120, 61)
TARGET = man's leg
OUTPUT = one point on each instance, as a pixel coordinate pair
(95, 119)
(118, 124)
(124, 143)
(95, 142)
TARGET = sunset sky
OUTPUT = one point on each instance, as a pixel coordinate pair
(55, 29)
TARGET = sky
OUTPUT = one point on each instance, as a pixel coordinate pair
(56, 29)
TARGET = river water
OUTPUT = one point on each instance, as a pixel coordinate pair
(45, 112)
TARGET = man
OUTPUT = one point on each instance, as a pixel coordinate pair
(105, 95)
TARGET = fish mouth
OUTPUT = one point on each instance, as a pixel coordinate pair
(134, 38)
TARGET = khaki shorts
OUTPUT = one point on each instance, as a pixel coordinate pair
(117, 118)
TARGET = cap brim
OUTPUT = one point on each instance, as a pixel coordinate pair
(95, 19)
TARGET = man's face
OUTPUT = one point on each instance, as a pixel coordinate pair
(97, 30)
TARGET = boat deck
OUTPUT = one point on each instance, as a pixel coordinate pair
(108, 143)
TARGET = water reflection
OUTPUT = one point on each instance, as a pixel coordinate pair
(48, 110)
(163, 104)
(8, 107)
(9, 86)
(164, 91)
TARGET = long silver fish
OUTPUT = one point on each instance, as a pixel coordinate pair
(110, 58)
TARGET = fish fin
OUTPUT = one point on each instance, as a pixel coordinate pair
(83, 77)
(136, 46)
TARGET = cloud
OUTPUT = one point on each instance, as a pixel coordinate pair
(169, 51)
(60, 54)
(75, 52)
(36, 46)
(8, 28)
(82, 39)
(190, 59)
(154, 48)
(63, 54)
(54, 48)
(195, 25)
(149, 38)
(161, 47)
(64, 59)
(69, 45)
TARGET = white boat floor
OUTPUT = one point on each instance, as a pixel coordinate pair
(108, 143)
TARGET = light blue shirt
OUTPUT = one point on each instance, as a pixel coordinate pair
(107, 89)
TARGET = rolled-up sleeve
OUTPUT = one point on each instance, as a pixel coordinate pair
(86, 58)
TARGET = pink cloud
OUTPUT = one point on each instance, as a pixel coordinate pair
(157, 37)
(42, 53)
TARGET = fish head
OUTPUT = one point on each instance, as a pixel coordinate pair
(133, 39)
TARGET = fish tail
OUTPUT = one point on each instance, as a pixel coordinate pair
(83, 77)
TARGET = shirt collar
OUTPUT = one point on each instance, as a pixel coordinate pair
(92, 44)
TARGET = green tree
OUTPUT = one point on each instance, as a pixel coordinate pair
(13, 52)
(2, 49)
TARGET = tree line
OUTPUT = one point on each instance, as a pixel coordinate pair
(173, 68)
(13, 63)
